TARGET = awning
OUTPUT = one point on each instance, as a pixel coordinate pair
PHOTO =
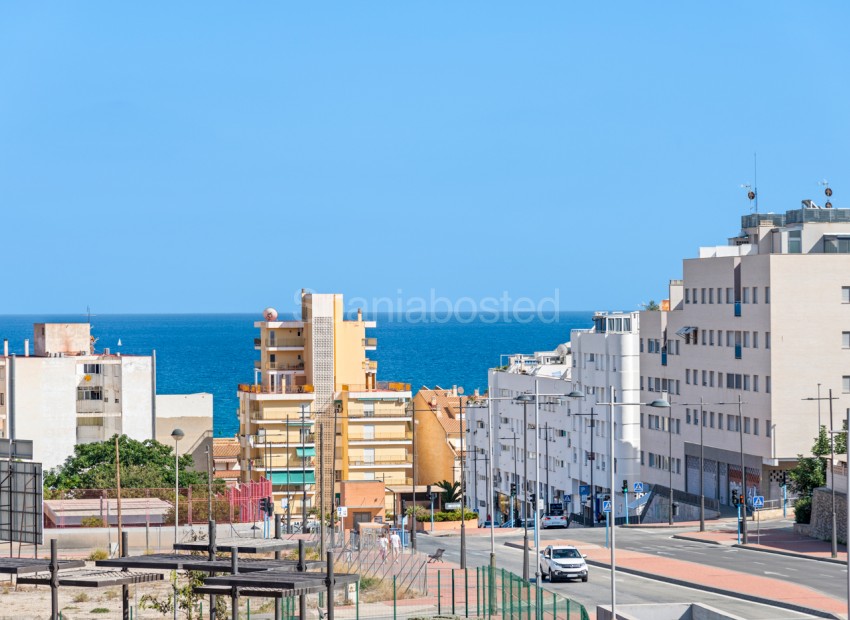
(686, 331)
(302, 452)
(293, 477)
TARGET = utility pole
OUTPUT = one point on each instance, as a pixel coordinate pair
(547, 468)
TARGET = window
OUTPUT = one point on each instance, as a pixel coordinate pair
(688, 376)
(704, 378)
(730, 296)
(687, 295)
(702, 296)
(845, 340)
(755, 340)
(730, 338)
(677, 388)
(710, 337)
(845, 382)
(719, 295)
(696, 417)
(747, 383)
(719, 379)
(747, 425)
(747, 340)
(720, 420)
(687, 415)
(795, 242)
(730, 423)
(710, 378)
(746, 298)
(767, 428)
(755, 383)
(89, 393)
(678, 426)
(767, 384)
(642, 453)
(767, 294)
(657, 384)
(766, 340)
(641, 345)
(711, 417)
(641, 382)
(755, 426)
(755, 294)
(703, 337)
(845, 294)
(719, 337)
(91, 369)
(694, 296)
(711, 295)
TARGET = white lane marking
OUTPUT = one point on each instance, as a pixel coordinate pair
(767, 572)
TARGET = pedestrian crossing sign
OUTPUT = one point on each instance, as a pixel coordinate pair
(758, 501)
(606, 506)
(638, 487)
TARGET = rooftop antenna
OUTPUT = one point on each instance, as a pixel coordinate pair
(752, 190)
(828, 192)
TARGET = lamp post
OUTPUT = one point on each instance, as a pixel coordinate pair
(462, 483)
(525, 399)
(661, 404)
(830, 398)
(177, 434)
(592, 415)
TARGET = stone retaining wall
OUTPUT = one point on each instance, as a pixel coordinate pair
(821, 523)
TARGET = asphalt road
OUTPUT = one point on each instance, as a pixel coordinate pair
(631, 589)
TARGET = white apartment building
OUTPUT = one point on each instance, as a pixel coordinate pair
(606, 368)
(765, 318)
(573, 434)
(64, 393)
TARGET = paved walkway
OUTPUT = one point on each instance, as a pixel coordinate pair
(783, 540)
(709, 577)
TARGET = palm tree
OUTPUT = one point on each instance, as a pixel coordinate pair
(451, 491)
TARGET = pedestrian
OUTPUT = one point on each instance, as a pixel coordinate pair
(395, 542)
(382, 543)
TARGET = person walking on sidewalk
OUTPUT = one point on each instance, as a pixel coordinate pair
(382, 543)
(395, 541)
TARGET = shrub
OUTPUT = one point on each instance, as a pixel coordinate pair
(91, 522)
(82, 597)
(803, 510)
(98, 554)
(99, 610)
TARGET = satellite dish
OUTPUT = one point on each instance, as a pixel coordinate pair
(270, 314)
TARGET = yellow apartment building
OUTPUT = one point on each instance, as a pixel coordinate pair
(439, 427)
(313, 377)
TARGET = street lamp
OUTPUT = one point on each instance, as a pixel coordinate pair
(462, 426)
(830, 398)
(177, 434)
(525, 399)
(660, 404)
(575, 395)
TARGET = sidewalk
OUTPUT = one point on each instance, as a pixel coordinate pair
(776, 540)
(732, 583)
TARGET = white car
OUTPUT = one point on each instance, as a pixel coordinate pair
(562, 562)
(554, 521)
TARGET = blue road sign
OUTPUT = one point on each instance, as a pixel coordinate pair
(606, 506)
(758, 501)
(584, 489)
(568, 499)
(639, 487)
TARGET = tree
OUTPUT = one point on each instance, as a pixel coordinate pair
(144, 464)
(809, 474)
(451, 491)
(651, 306)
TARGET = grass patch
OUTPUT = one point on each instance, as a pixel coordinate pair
(82, 597)
(98, 554)
(99, 610)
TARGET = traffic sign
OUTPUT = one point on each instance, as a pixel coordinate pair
(568, 499)
(452, 505)
(342, 511)
(606, 506)
(758, 501)
(584, 490)
(638, 487)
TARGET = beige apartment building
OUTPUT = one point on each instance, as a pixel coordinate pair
(765, 318)
(315, 414)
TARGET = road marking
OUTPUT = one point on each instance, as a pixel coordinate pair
(767, 572)
(759, 563)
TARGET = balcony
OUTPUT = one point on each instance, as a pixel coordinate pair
(278, 343)
(737, 308)
(383, 436)
(380, 386)
(278, 439)
(370, 365)
(737, 354)
(306, 390)
(382, 460)
(284, 365)
(379, 412)
(370, 344)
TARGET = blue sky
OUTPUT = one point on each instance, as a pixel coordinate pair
(215, 157)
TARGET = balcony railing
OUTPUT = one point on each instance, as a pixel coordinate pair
(284, 366)
(280, 389)
(370, 365)
(285, 342)
(383, 460)
(370, 342)
(380, 412)
(277, 438)
(385, 436)
(380, 386)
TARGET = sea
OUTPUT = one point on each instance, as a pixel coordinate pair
(215, 352)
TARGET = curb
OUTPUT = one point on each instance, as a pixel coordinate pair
(790, 554)
(729, 593)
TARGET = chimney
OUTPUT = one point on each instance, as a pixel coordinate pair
(359, 314)
(27, 347)
(454, 390)
(5, 347)
(106, 351)
(475, 394)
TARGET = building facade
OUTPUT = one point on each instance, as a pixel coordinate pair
(765, 320)
(316, 414)
(63, 392)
